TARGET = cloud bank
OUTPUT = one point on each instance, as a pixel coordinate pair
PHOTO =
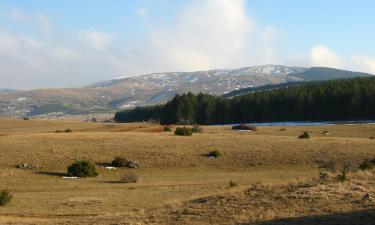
(205, 34)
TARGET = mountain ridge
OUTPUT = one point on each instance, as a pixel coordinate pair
(156, 88)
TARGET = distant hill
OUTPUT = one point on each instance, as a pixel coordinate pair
(311, 74)
(334, 100)
(157, 88)
(8, 91)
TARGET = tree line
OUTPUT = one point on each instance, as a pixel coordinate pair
(337, 100)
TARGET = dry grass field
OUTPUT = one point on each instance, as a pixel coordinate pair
(275, 175)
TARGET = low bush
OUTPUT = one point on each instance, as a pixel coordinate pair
(372, 137)
(214, 154)
(197, 129)
(183, 131)
(82, 168)
(5, 197)
(244, 127)
(365, 165)
(119, 162)
(167, 128)
(232, 184)
(343, 173)
(282, 129)
(129, 177)
(304, 135)
(68, 130)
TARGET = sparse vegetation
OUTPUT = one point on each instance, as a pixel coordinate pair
(304, 135)
(282, 129)
(197, 129)
(365, 165)
(183, 131)
(82, 168)
(5, 197)
(129, 177)
(68, 130)
(214, 154)
(232, 184)
(244, 127)
(343, 175)
(167, 128)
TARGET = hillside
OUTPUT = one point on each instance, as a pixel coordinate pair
(275, 173)
(158, 88)
(334, 100)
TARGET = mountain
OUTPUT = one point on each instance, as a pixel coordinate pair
(8, 91)
(156, 88)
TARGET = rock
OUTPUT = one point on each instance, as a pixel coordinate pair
(28, 166)
(133, 164)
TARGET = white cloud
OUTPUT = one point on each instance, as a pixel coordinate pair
(323, 56)
(96, 39)
(364, 63)
(206, 34)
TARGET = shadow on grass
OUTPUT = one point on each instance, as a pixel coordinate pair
(111, 182)
(54, 174)
(363, 217)
(103, 164)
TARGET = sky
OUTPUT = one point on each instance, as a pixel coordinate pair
(72, 43)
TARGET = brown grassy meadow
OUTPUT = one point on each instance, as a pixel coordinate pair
(273, 170)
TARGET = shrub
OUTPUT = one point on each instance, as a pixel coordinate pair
(167, 128)
(197, 129)
(327, 165)
(326, 132)
(5, 197)
(119, 162)
(82, 168)
(232, 184)
(365, 165)
(129, 177)
(68, 130)
(183, 131)
(304, 135)
(282, 129)
(372, 137)
(244, 127)
(343, 173)
(26, 118)
(214, 154)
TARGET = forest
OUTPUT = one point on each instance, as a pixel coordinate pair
(335, 100)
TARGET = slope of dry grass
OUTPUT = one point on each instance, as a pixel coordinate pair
(178, 184)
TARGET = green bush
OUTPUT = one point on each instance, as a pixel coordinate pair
(304, 135)
(167, 128)
(82, 168)
(5, 197)
(183, 131)
(365, 165)
(214, 154)
(119, 162)
(244, 127)
(129, 177)
(197, 129)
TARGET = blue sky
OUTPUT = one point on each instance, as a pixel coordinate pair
(77, 42)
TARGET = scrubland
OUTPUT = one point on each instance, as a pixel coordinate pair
(275, 173)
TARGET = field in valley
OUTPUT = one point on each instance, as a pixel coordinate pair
(275, 175)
